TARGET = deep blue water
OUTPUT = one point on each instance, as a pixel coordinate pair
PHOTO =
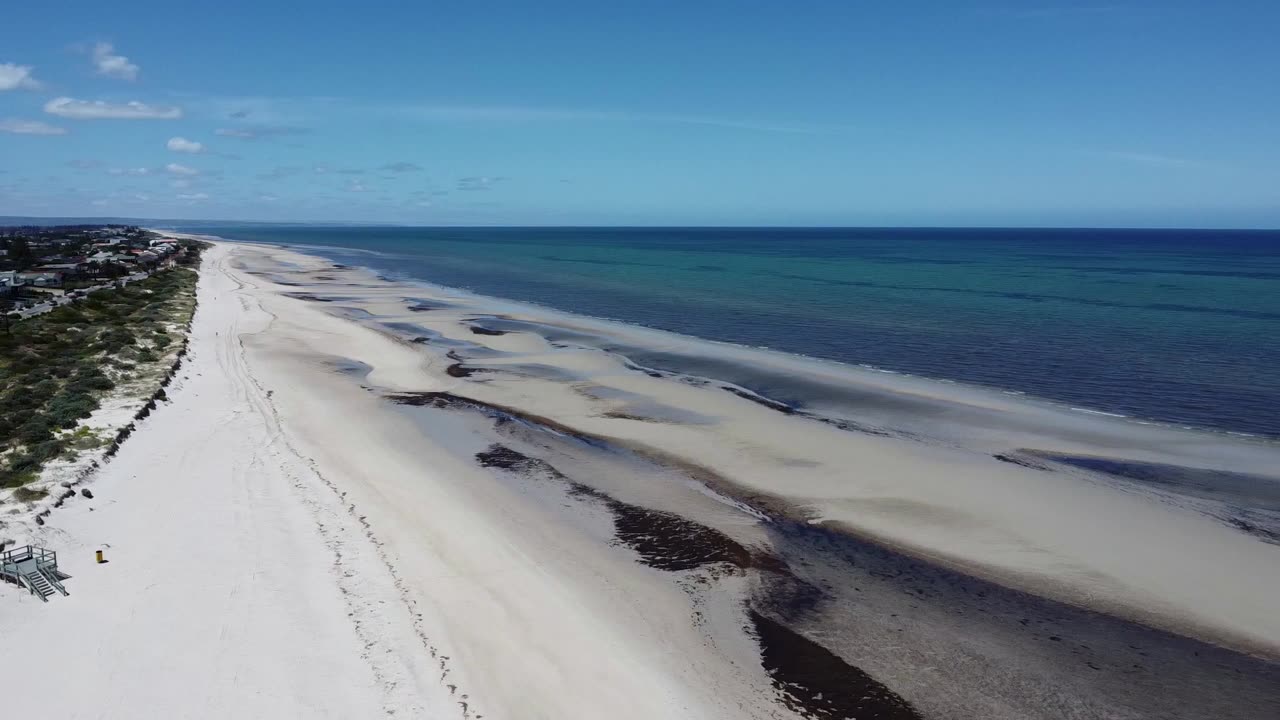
(1175, 326)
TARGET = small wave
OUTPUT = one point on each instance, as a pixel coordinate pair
(1099, 412)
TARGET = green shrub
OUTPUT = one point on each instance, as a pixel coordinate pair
(35, 431)
(26, 494)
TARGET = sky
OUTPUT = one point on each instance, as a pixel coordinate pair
(717, 112)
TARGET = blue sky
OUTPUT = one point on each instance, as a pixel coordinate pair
(710, 112)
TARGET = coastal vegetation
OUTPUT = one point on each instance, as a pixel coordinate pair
(58, 368)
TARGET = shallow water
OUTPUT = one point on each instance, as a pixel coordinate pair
(1174, 326)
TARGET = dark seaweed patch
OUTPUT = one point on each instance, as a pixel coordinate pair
(308, 296)
(1266, 534)
(481, 330)
(1015, 460)
(847, 425)
(817, 683)
(761, 400)
(647, 371)
(501, 456)
(459, 370)
(663, 540)
(669, 542)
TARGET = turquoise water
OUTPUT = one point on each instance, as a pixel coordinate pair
(1174, 326)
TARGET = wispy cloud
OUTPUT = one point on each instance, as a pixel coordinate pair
(259, 132)
(137, 172)
(528, 114)
(99, 110)
(401, 167)
(193, 196)
(478, 183)
(17, 77)
(30, 127)
(279, 173)
(183, 145)
(180, 170)
(110, 64)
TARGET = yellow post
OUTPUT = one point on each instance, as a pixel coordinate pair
(100, 559)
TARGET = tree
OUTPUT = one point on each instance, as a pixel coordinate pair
(20, 250)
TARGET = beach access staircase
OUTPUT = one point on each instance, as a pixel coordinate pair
(33, 568)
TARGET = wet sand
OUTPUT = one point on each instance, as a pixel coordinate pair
(585, 519)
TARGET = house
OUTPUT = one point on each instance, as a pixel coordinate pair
(69, 270)
(8, 281)
(41, 279)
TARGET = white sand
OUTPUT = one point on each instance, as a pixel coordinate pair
(285, 544)
(342, 576)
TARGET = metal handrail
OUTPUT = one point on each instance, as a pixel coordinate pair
(52, 578)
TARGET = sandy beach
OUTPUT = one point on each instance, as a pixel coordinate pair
(368, 497)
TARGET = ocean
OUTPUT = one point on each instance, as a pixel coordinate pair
(1173, 326)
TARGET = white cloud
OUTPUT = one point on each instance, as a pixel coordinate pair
(112, 65)
(183, 145)
(193, 196)
(30, 127)
(16, 77)
(183, 170)
(98, 110)
(129, 171)
(356, 186)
